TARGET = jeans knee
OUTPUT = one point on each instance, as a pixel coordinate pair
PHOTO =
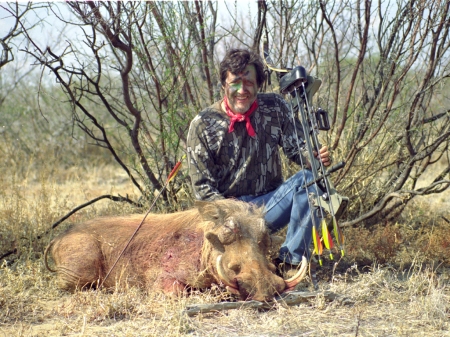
(301, 178)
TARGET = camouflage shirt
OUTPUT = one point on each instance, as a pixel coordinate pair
(223, 164)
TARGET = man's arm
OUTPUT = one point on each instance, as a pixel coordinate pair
(201, 164)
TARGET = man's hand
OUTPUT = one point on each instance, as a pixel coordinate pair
(324, 156)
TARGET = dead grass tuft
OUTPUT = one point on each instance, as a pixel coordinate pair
(421, 232)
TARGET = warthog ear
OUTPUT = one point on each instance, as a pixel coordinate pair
(210, 211)
(214, 240)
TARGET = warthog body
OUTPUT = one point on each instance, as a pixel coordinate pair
(223, 242)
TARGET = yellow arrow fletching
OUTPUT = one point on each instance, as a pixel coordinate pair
(326, 237)
(316, 250)
(339, 236)
(325, 234)
(317, 243)
(337, 232)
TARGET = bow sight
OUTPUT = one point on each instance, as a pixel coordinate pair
(324, 200)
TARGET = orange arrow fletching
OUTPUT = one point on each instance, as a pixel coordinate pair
(330, 240)
(317, 243)
(175, 170)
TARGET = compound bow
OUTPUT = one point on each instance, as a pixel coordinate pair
(325, 199)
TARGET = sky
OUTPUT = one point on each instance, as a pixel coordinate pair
(51, 25)
(50, 31)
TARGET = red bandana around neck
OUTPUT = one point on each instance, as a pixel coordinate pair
(241, 117)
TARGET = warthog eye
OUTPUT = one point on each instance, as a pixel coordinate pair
(236, 267)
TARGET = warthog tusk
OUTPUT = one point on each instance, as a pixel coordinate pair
(230, 285)
(294, 280)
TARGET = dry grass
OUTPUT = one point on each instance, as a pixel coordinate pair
(381, 302)
(409, 298)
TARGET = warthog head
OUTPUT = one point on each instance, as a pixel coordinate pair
(239, 251)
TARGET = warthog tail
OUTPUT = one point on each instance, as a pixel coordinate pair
(45, 256)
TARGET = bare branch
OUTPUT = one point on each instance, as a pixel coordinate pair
(403, 195)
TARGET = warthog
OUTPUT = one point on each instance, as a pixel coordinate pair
(224, 242)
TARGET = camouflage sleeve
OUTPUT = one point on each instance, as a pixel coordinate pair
(200, 163)
(292, 139)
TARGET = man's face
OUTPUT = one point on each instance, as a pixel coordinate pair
(241, 89)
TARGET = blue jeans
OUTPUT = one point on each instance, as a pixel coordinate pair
(288, 205)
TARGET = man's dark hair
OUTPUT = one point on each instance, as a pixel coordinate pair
(235, 62)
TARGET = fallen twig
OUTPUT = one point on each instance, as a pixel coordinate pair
(291, 298)
(5, 255)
